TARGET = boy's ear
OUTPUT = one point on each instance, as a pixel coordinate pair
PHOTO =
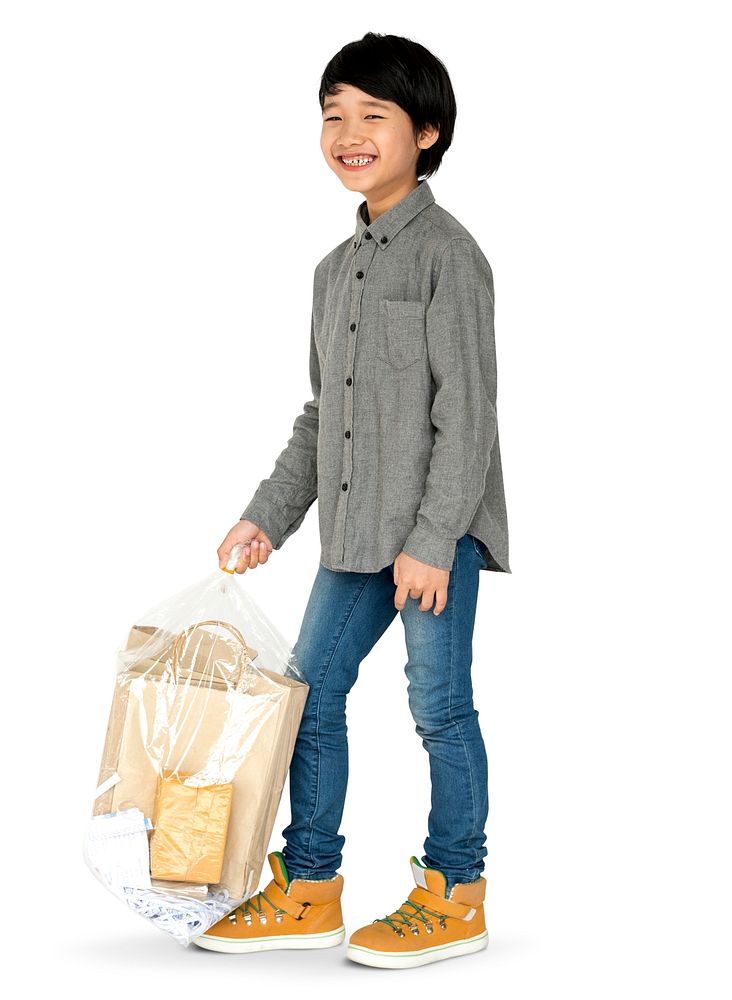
(428, 137)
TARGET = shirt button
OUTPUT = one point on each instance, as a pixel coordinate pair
(383, 239)
(369, 236)
(359, 274)
(348, 434)
(349, 380)
(344, 486)
(353, 326)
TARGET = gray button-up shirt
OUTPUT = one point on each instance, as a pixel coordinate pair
(399, 443)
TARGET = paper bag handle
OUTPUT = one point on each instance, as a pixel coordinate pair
(177, 645)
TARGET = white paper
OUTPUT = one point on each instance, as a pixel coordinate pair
(118, 848)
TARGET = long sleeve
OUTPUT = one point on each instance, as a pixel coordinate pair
(460, 339)
(280, 502)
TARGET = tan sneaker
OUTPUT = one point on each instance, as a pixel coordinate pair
(288, 913)
(428, 927)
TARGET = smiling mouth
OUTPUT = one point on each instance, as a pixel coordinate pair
(356, 162)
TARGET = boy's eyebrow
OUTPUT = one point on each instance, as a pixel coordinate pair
(372, 104)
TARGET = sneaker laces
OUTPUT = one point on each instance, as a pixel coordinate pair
(254, 905)
(406, 917)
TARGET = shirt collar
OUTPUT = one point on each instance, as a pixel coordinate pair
(386, 227)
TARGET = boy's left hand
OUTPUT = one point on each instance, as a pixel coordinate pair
(417, 579)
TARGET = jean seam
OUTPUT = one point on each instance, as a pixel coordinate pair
(317, 711)
(457, 724)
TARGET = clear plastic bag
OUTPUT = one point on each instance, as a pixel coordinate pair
(207, 702)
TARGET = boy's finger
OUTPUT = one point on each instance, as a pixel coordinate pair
(441, 601)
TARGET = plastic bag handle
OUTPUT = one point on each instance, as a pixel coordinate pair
(233, 560)
(191, 628)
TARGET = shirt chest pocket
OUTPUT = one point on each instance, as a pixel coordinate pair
(402, 338)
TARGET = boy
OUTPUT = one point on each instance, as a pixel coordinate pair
(400, 446)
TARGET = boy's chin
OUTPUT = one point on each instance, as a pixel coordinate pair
(359, 184)
(354, 180)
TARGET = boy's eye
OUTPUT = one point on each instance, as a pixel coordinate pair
(334, 117)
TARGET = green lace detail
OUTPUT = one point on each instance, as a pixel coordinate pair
(405, 917)
(252, 902)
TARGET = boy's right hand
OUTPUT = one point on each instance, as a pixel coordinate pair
(257, 546)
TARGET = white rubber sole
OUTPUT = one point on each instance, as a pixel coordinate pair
(392, 960)
(326, 939)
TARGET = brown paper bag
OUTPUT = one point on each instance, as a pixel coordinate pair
(264, 713)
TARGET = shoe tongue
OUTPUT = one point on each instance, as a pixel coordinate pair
(279, 869)
(429, 878)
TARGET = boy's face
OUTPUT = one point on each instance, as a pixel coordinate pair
(355, 123)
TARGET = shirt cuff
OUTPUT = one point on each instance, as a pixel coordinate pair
(269, 520)
(435, 550)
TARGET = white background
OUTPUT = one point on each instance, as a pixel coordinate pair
(164, 203)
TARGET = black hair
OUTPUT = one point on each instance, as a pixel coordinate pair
(392, 68)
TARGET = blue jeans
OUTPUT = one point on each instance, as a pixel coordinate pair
(345, 616)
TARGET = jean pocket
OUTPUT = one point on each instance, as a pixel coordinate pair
(402, 333)
(482, 549)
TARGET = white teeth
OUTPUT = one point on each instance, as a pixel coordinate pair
(357, 162)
